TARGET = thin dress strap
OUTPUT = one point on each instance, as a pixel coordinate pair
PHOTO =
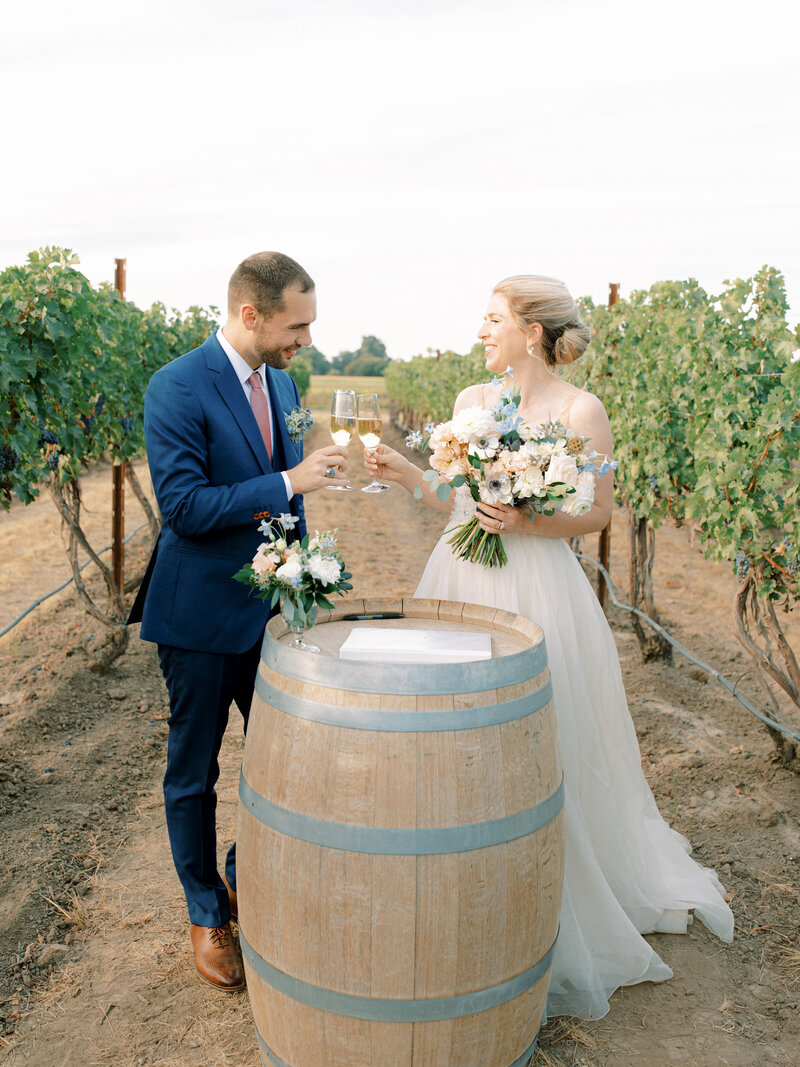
(563, 414)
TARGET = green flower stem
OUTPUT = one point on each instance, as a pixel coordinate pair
(475, 545)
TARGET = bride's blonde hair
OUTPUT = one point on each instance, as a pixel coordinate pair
(535, 298)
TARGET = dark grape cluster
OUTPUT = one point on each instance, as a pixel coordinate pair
(47, 437)
(127, 425)
(52, 460)
(742, 565)
(8, 459)
(88, 420)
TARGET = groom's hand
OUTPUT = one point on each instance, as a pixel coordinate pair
(315, 470)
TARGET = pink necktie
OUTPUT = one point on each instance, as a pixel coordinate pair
(260, 406)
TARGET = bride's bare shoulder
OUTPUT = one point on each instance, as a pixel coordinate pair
(472, 396)
(585, 402)
(586, 415)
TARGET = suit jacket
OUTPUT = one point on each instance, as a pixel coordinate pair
(214, 482)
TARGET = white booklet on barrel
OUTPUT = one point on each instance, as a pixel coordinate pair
(387, 645)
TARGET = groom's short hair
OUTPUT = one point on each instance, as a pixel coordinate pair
(261, 280)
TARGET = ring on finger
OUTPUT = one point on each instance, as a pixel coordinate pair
(330, 472)
(502, 526)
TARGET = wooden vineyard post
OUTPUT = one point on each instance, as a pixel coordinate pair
(604, 544)
(118, 481)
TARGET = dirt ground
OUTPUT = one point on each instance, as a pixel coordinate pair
(95, 961)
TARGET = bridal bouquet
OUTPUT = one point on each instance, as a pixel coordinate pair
(299, 574)
(503, 460)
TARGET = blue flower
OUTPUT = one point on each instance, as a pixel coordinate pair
(287, 521)
(509, 424)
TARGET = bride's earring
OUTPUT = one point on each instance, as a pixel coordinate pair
(531, 348)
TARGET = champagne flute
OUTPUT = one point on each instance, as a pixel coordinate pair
(369, 430)
(343, 424)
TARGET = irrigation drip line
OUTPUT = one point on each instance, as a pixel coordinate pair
(69, 581)
(693, 659)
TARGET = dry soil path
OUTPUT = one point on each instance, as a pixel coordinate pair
(95, 965)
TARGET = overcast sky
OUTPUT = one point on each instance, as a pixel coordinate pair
(408, 154)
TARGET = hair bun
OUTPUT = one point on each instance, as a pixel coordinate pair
(572, 343)
(535, 298)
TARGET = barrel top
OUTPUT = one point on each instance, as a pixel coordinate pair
(518, 651)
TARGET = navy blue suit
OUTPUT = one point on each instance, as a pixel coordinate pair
(213, 481)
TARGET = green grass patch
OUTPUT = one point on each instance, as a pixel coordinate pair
(322, 386)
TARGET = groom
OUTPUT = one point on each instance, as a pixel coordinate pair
(221, 460)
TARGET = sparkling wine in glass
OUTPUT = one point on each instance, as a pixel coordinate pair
(343, 424)
(369, 430)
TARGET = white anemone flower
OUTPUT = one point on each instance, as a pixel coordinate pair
(485, 447)
(496, 489)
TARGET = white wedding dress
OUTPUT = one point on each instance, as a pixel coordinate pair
(626, 872)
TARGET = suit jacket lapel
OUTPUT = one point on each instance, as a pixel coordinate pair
(230, 389)
(291, 451)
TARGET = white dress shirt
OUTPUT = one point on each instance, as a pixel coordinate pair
(243, 371)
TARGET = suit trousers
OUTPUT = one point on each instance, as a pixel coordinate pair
(201, 687)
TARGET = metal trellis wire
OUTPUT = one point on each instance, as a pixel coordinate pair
(693, 659)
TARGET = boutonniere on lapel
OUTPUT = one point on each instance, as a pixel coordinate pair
(298, 423)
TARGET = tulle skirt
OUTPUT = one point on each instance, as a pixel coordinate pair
(626, 872)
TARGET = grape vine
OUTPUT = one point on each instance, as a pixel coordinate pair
(75, 361)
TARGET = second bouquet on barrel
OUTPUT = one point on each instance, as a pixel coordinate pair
(503, 460)
(297, 575)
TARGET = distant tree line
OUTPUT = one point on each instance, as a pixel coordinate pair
(369, 359)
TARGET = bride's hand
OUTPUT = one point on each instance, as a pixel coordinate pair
(501, 518)
(385, 464)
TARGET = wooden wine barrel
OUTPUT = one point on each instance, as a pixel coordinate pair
(400, 847)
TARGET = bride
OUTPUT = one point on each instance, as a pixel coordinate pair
(627, 872)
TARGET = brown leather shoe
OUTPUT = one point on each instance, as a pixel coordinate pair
(216, 957)
(233, 899)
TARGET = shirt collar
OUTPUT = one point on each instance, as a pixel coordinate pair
(239, 363)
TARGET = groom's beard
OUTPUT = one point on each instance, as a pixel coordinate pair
(278, 358)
